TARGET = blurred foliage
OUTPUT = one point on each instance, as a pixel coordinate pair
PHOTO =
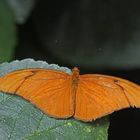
(11, 11)
(7, 32)
(87, 33)
(19, 119)
(84, 33)
(21, 9)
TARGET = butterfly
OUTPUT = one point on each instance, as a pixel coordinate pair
(62, 95)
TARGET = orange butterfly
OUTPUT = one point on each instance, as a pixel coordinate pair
(61, 95)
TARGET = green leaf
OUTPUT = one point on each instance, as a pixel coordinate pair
(7, 32)
(20, 120)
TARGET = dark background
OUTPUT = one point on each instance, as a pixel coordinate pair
(97, 36)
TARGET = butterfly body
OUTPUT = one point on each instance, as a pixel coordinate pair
(61, 95)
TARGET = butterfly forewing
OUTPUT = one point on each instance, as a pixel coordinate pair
(131, 90)
(49, 90)
(12, 81)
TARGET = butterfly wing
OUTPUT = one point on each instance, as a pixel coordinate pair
(49, 90)
(99, 95)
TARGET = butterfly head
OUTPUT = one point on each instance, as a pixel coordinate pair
(75, 69)
(75, 75)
